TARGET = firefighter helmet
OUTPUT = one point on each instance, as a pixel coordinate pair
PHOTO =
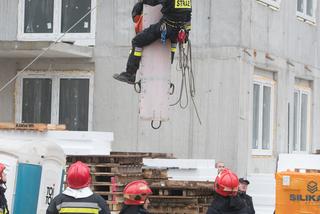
(226, 183)
(78, 175)
(2, 168)
(136, 192)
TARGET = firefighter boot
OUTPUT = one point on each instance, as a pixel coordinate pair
(127, 77)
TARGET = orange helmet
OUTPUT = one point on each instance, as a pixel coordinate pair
(136, 192)
(78, 175)
(226, 183)
(2, 168)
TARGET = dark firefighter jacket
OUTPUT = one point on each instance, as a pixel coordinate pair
(248, 201)
(227, 205)
(3, 201)
(173, 10)
(132, 209)
(94, 204)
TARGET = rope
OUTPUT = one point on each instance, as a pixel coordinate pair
(187, 76)
(46, 49)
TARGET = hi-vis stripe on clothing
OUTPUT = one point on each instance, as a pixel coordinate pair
(79, 210)
(78, 207)
(182, 4)
(137, 52)
(3, 211)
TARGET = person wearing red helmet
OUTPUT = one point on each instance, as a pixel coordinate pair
(78, 197)
(3, 201)
(136, 198)
(226, 199)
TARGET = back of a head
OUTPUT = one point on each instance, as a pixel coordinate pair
(78, 175)
(227, 183)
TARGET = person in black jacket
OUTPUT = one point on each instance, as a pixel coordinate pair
(78, 197)
(3, 201)
(243, 186)
(176, 16)
(136, 198)
(226, 199)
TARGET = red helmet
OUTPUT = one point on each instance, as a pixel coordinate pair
(226, 183)
(136, 192)
(78, 175)
(2, 168)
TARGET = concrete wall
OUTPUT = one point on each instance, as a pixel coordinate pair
(7, 71)
(224, 82)
(222, 29)
(8, 19)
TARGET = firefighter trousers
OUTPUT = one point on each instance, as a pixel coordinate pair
(146, 37)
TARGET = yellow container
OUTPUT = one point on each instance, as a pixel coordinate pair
(297, 193)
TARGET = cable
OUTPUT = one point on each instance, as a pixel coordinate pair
(46, 50)
(185, 66)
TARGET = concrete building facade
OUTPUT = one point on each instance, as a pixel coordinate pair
(256, 67)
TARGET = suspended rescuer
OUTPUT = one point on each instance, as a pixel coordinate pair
(78, 197)
(176, 16)
(3, 201)
(136, 198)
(243, 186)
(226, 199)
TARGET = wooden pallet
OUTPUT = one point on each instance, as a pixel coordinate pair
(32, 126)
(111, 173)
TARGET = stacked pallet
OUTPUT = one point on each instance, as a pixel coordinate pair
(180, 197)
(110, 174)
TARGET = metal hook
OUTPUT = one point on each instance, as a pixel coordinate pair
(172, 87)
(152, 125)
(138, 90)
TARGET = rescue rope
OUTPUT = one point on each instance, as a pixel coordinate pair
(47, 49)
(187, 76)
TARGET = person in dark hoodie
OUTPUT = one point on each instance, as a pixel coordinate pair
(176, 16)
(136, 198)
(226, 199)
(78, 197)
(3, 201)
(243, 186)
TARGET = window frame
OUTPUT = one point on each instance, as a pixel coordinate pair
(263, 81)
(274, 5)
(55, 76)
(78, 38)
(304, 16)
(307, 91)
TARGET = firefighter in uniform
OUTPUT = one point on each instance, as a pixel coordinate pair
(78, 197)
(136, 198)
(3, 200)
(226, 199)
(176, 16)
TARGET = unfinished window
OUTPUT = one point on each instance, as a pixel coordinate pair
(49, 19)
(306, 10)
(56, 98)
(74, 103)
(36, 100)
(273, 4)
(301, 113)
(38, 16)
(262, 117)
(72, 11)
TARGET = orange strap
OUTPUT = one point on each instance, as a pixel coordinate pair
(138, 23)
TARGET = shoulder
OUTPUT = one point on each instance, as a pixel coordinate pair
(248, 197)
